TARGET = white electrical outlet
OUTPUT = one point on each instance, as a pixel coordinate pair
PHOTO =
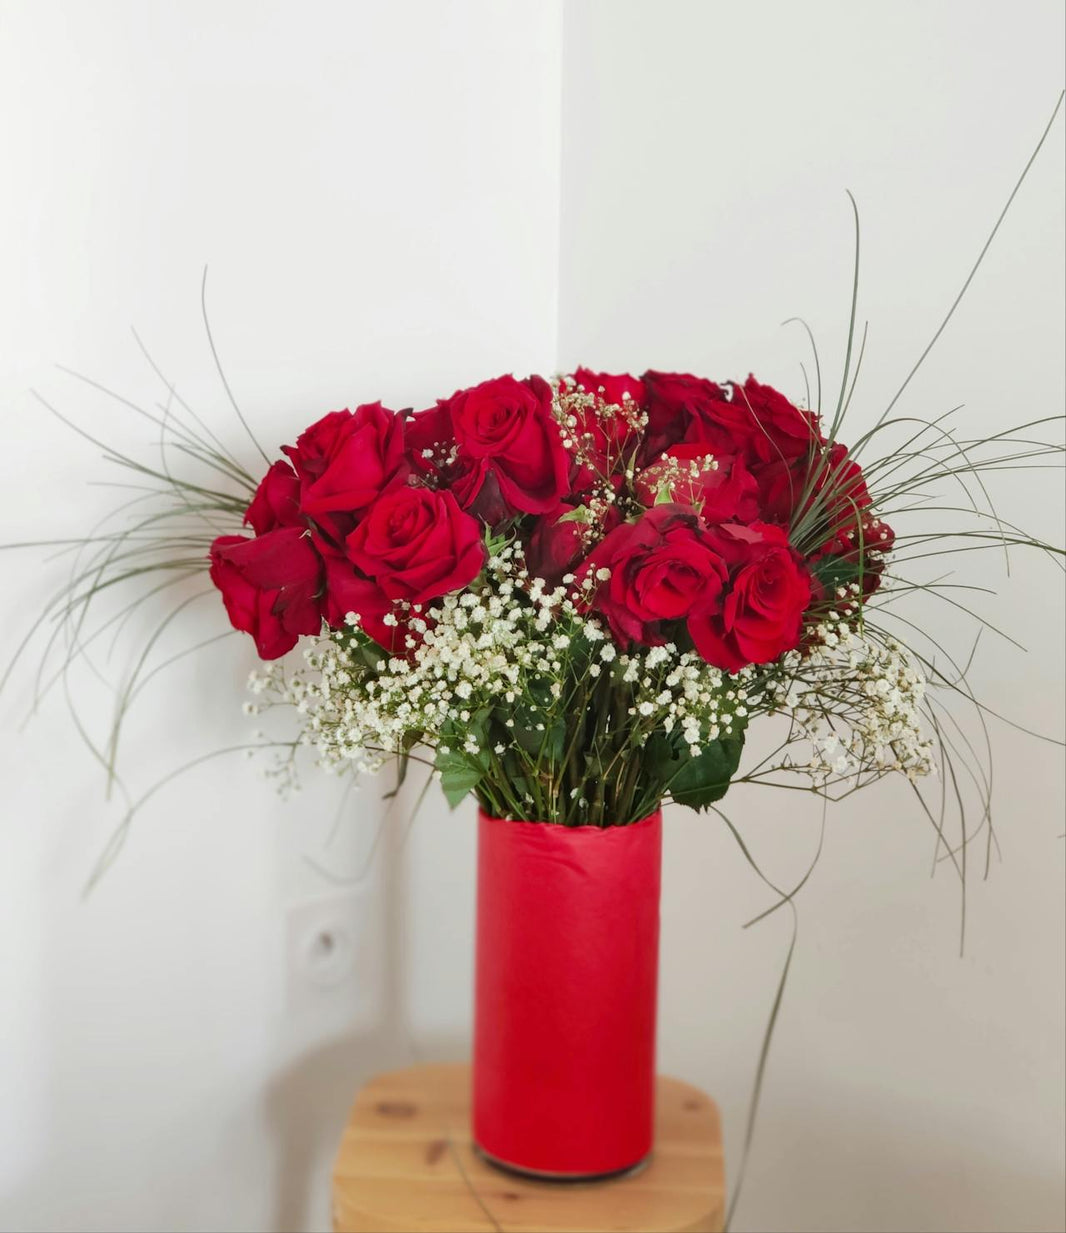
(326, 946)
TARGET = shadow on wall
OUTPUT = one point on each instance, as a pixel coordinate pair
(306, 1106)
(163, 1110)
(928, 1176)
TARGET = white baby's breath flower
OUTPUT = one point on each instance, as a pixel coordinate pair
(496, 669)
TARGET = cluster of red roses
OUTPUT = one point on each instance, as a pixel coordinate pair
(609, 479)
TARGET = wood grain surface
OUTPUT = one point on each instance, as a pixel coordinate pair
(407, 1165)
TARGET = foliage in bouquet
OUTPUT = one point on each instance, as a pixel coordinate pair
(572, 597)
(576, 594)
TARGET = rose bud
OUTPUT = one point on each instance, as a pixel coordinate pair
(779, 429)
(555, 547)
(682, 407)
(648, 573)
(270, 586)
(276, 502)
(830, 483)
(761, 614)
(721, 488)
(417, 544)
(504, 431)
(344, 461)
(614, 388)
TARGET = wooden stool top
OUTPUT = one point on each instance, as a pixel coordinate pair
(406, 1163)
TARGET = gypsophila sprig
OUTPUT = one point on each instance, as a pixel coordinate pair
(506, 685)
(523, 698)
(584, 664)
(572, 596)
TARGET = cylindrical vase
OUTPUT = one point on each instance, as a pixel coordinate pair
(566, 990)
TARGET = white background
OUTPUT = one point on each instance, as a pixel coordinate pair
(394, 201)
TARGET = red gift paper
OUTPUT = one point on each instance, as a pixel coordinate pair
(565, 1001)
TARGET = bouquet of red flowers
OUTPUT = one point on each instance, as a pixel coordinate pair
(571, 598)
(577, 593)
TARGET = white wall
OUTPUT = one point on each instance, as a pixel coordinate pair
(377, 192)
(707, 148)
(375, 189)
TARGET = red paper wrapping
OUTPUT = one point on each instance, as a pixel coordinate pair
(565, 1001)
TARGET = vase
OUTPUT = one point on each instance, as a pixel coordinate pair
(565, 995)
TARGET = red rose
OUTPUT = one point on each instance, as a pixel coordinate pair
(613, 388)
(349, 591)
(682, 407)
(555, 547)
(430, 441)
(722, 491)
(863, 551)
(781, 486)
(830, 484)
(657, 570)
(876, 542)
(780, 430)
(603, 435)
(417, 544)
(761, 615)
(878, 537)
(345, 460)
(270, 586)
(510, 457)
(276, 502)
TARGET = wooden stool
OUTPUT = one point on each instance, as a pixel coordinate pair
(406, 1163)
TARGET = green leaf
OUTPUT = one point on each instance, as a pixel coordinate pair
(581, 514)
(478, 725)
(702, 781)
(362, 649)
(497, 540)
(834, 572)
(660, 757)
(545, 743)
(460, 774)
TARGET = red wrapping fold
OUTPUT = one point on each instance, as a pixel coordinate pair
(566, 983)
